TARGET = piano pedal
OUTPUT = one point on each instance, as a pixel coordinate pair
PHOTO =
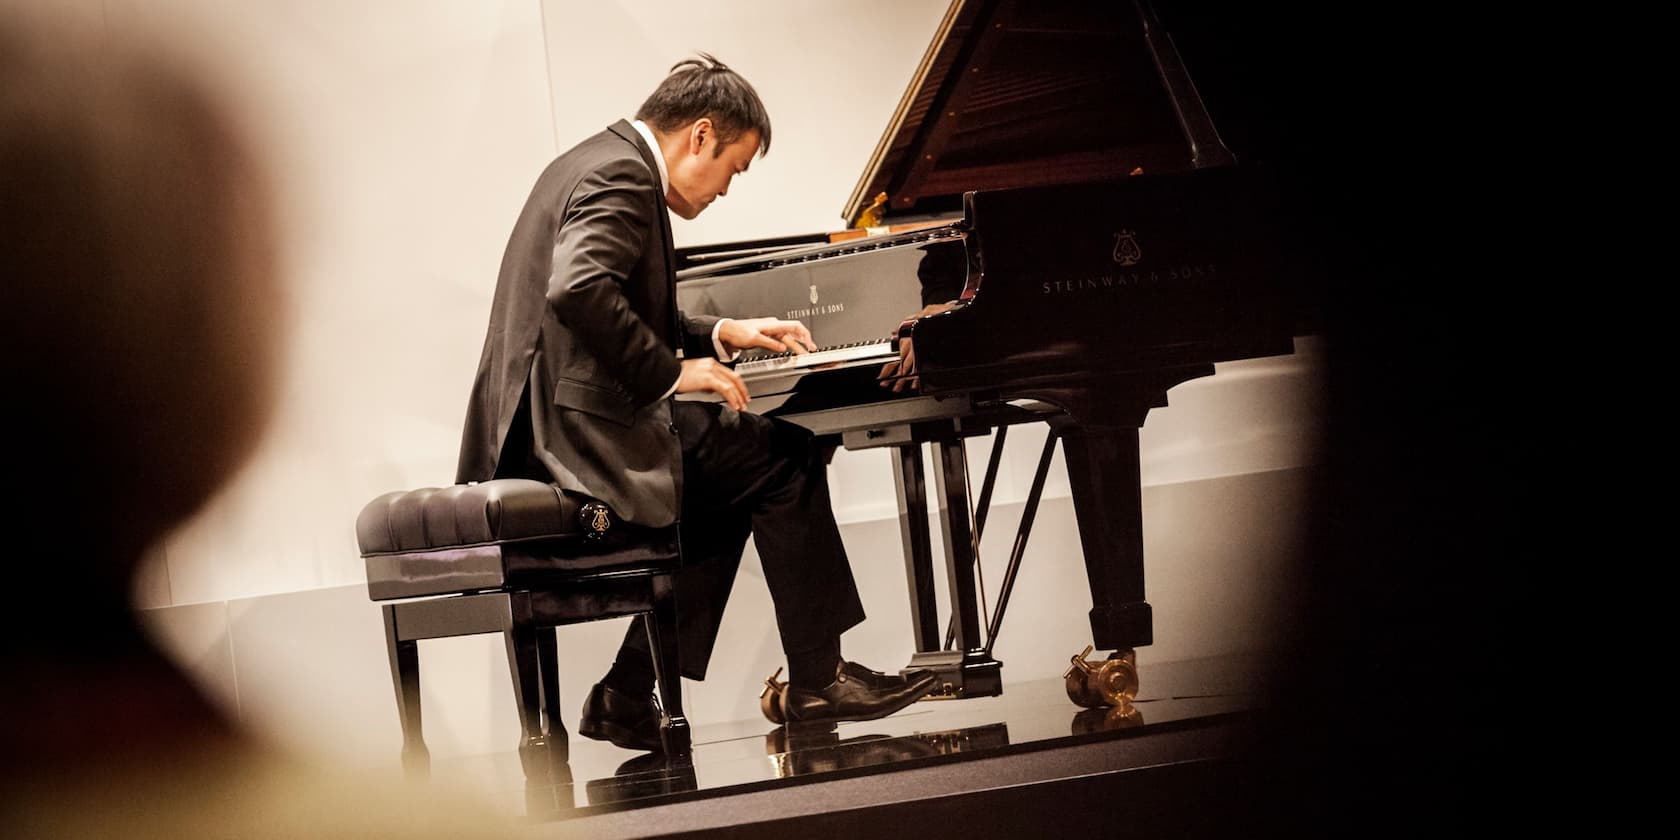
(1111, 682)
(770, 700)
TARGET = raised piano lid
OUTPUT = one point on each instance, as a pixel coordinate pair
(1014, 93)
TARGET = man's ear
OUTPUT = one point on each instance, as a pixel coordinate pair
(699, 134)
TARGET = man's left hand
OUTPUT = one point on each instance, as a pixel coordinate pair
(771, 334)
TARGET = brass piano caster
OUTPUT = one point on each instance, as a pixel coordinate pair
(1111, 682)
(1089, 721)
(770, 701)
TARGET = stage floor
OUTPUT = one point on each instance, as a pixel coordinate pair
(1032, 736)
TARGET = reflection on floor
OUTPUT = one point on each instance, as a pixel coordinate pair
(754, 772)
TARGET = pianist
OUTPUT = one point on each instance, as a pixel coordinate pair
(584, 353)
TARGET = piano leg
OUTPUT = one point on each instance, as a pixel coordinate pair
(1099, 434)
(1103, 470)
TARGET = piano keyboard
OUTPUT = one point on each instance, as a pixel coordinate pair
(880, 349)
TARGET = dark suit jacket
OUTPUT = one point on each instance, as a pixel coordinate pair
(584, 322)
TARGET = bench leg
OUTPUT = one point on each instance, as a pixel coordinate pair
(405, 678)
(549, 659)
(523, 664)
(662, 640)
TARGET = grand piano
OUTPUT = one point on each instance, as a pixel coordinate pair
(1052, 231)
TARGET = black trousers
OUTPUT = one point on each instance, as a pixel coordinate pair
(746, 474)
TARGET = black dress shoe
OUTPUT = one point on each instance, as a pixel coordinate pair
(878, 681)
(627, 721)
(857, 693)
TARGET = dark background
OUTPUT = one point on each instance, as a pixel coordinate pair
(1392, 713)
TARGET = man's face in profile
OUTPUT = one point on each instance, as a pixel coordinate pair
(704, 170)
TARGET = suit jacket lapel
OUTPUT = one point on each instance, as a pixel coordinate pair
(662, 220)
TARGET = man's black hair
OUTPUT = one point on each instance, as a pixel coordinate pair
(706, 87)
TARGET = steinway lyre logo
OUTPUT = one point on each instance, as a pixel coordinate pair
(1126, 250)
(597, 520)
(814, 310)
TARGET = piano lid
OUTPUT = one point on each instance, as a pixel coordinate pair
(1013, 93)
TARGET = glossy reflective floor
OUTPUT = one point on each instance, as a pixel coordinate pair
(752, 770)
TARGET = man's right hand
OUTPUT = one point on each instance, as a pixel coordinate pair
(712, 375)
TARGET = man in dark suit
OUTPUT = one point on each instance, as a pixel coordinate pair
(585, 353)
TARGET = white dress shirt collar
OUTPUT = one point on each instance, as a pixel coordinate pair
(658, 155)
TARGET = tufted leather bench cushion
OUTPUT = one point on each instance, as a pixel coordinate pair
(489, 535)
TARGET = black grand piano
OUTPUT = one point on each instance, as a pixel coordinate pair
(1051, 230)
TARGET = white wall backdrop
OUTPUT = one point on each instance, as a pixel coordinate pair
(405, 135)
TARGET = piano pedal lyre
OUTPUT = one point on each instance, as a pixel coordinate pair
(770, 700)
(1110, 682)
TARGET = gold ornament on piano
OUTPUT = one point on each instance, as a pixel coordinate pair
(1106, 719)
(770, 701)
(1112, 682)
(871, 215)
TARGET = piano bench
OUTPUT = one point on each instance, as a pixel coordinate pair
(518, 557)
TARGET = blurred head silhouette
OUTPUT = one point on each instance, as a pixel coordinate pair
(144, 316)
(142, 298)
